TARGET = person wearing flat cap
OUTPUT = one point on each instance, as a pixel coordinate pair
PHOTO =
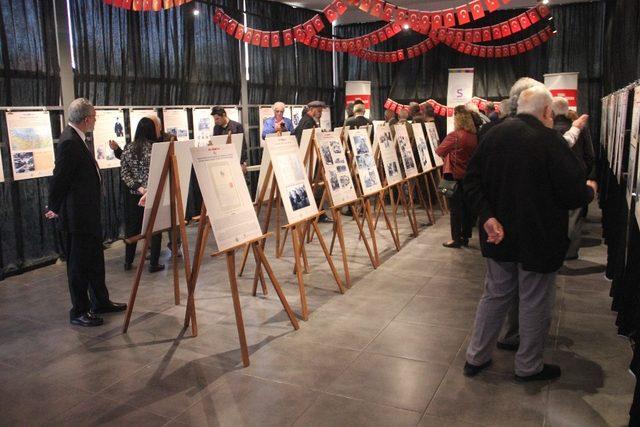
(310, 119)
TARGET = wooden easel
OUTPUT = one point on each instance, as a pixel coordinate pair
(256, 245)
(170, 168)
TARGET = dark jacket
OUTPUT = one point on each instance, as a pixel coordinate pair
(234, 127)
(306, 122)
(525, 176)
(583, 148)
(357, 121)
(459, 146)
(75, 190)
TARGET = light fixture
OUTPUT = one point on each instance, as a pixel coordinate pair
(545, 1)
(405, 26)
(196, 12)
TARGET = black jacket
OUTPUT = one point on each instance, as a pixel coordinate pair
(234, 127)
(583, 148)
(75, 190)
(306, 122)
(525, 175)
(357, 121)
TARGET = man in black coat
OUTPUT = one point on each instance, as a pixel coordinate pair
(310, 119)
(74, 197)
(522, 181)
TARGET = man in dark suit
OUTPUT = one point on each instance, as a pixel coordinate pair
(310, 119)
(74, 197)
(522, 181)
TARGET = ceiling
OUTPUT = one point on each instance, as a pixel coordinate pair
(354, 15)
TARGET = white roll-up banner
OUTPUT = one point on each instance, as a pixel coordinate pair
(565, 85)
(459, 90)
(358, 90)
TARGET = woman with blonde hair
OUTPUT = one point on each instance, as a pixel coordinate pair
(457, 149)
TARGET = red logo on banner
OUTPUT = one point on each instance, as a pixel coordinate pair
(570, 94)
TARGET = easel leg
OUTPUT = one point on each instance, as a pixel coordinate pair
(366, 211)
(337, 218)
(408, 209)
(430, 214)
(284, 240)
(136, 283)
(412, 209)
(333, 237)
(201, 244)
(326, 254)
(231, 268)
(363, 237)
(394, 234)
(295, 238)
(259, 275)
(276, 285)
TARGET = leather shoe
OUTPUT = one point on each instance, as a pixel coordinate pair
(110, 307)
(325, 219)
(127, 266)
(87, 320)
(452, 244)
(473, 370)
(156, 268)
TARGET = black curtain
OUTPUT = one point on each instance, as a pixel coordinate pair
(29, 75)
(622, 41)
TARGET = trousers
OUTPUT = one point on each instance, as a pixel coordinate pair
(133, 226)
(461, 220)
(85, 273)
(576, 221)
(503, 282)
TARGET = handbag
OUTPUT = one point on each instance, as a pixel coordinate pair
(448, 187)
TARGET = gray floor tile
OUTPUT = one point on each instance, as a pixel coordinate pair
(450, 312)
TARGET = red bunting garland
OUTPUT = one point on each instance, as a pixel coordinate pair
(146, 5)
(438, 109)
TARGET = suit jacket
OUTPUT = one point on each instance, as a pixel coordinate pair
(75, 190)
(234, 127)
(583, 148)
(306, 122)
(525, 175)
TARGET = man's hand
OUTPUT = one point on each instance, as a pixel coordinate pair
(581, 121)
(143, 200)
(50, 214)
(494, 230)
(244, 167)
(594, 186)
(113, 145)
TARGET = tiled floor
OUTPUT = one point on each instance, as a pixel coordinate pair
(388, 352)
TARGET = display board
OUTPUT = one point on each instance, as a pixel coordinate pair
(365, 162)
(236, 141)
(176, 123)
(621, 122)
(293, 184)
(226, 196)
(422, 148)
(109, 127)
(296, 115)
(325, 119)
(135, 116)
(459, 91)
(265, 161)
(387, 147)
(434, 141)
(158, 155)
(305, 139)
(233, 113)
(564, 85)
(202, 126)
(30, 144)
(336, 168)
(403, 143)
(635, 139)
(1, 168)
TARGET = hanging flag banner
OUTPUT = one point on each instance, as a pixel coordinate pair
(459, 91)
(564, 85)
(358, 90)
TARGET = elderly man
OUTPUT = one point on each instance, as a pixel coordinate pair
(310, 119)
(358, 119)
(277, 123)
(74, 196)
(583, 149)
(522, 181)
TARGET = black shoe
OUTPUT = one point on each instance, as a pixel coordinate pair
(507, 346)
(465, 243)
(452, 244)
(87, 320)
(156, 268)
(571, 258)
(549, 372)
(324, 219)
(473, 370)
(111, 307)
(127, 266)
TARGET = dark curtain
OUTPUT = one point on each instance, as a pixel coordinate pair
(622, 41)
(29, 75)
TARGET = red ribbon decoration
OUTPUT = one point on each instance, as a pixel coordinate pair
(146, 5)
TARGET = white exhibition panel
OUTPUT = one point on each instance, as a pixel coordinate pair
(202, 126)
(176, 123)
(434, 141)
(403, 143)
(336, 168)
(109, 126)
(30, 144)
(422, 147)
(158, 155)
(387, 147)
(293, 184)
(365, 162)
(226, 196)
(236, 141)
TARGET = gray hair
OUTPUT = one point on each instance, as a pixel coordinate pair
(518, 87)
(470, 106)
(534, 100)
(359, 108)
(278, 105)
(560, 106)
(79, 110)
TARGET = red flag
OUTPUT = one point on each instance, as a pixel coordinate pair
(410, 53)
(455, 44)
(309, 30)
(425, 22)
(402, 16)
(377, 9)
(492, 5)
(467, 49)
(126, 4)
(477, 11)
(298, 33)
(459, 36)
(366, 42)
(287, 37)
(137, 5)
(257, 38)
(365, 5)
(351, 46)
(468, 36)
(323, 44)
(528, 44)
(535, 40)
(394, 57)
(513, 49)
(442, 34)
(330, 13)
(315, 41)
(461, 47)
(423, 47)
(387, 104)
(157, 5)
(543, 10)
(239, 32)
(317, 23)
(389, 31)
(436, 21)
(436, 109)
(449, 38)
(382, 36)
(515, 25)
(490, 51)
(496, 33)
(477, 36)
(275, 39)
(449, 112)
(463, 15)
(266, 38)
(524, 21)
(147, 5)
(521, 48)
(373, 38)
(389, 9)
(217, 16)
(358, 42)
(543, 36)
(486, 34)
(344, 45)
(506, 51)
(414, 21)
(483, 52)
(224, 22)
(340, 6)
(231, 27)
(498, 52)
(533, 15)
(248, 35)
(449, 18)
(505, 29)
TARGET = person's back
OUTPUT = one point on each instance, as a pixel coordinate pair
(583, 148)
(357, 121)
(530, 179)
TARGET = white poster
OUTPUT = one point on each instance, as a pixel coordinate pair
(387, 146)
(233, 113)
(403, 142)
(564, 85)
(135, 116)
(459, 90)
(422, 147)
(158, 155)
(202, 126)
(296, 115)
(325, 120)
(236, 141)
(109, 127)
(176, 123)
(434, 141)
(293, 184)
(358, 90)
(634, 168)
(336, 168)
(305, 139)
(30, 144)
(365, 162)
(621, 121)
(226, 196)
(1, 168)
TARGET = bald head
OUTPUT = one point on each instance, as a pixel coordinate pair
(536, 101)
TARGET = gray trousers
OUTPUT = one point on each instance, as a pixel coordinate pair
(576, 221)
(504, 282)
